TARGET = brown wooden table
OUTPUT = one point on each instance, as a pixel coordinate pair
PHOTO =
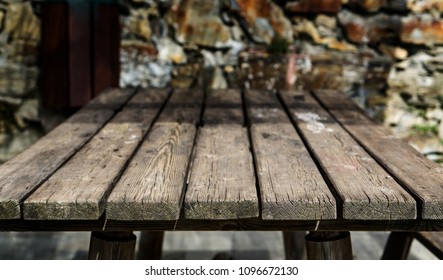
(156, 160)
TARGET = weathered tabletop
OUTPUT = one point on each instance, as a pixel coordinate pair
(225, 159)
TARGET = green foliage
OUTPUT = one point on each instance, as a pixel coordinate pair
(426, 129)
(278, 45)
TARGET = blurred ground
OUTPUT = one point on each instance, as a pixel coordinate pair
(186, 245)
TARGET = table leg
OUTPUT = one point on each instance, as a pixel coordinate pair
(150, 245)
(294, 242)
(113, 245)
(398, 245)
(328, 245)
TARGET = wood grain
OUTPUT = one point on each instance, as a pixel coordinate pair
(106, 245)
(78, 190)
(263, 107)
(291, 185)
(223, 107)
(152, 187)
(328, 245)
(222, 182)
(419, 175)
(366, 189)
(21, 175)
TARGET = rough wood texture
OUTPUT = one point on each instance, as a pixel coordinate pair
(263, 107)
(366, 189)
(290, 184)
(21, 175)
(112, 246)
(78, 189)
(152, 187)
(223, 107)
(328, 246)
(222, 181)
(183, 107)
(294, 245)
(421, 176)
(150, 245)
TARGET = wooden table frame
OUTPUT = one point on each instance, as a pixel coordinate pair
(157, 160)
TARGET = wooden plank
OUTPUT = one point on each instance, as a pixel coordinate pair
(183, 107)
(150, 245)
(263, 107)
(223, 107)
(222, 181)
(419, 175)
(79, 53)
(152, 186)
(365, 188)
(54, 55)
(78, 190)
(328, 245)
(291, 185)
(105, 245)
(294, 245)
(21, 175)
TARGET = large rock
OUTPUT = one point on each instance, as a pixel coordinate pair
(140, 66)
(197, 23)
(136, 25)
(372, 6)
(265, 20)
(314, 6)
(373, 29)
(394, 52)
(168, 50)
(367, 5)
(322, 33)
(2, 15)
(422, 30)
(425, 5)
(419, 129)
(418, 81)
(20, 33)
(16, 81)
(21, 24)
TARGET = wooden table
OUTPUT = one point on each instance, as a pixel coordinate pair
(158, 159)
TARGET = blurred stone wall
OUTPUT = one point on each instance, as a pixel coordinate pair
(386, 54)
(19, 40)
